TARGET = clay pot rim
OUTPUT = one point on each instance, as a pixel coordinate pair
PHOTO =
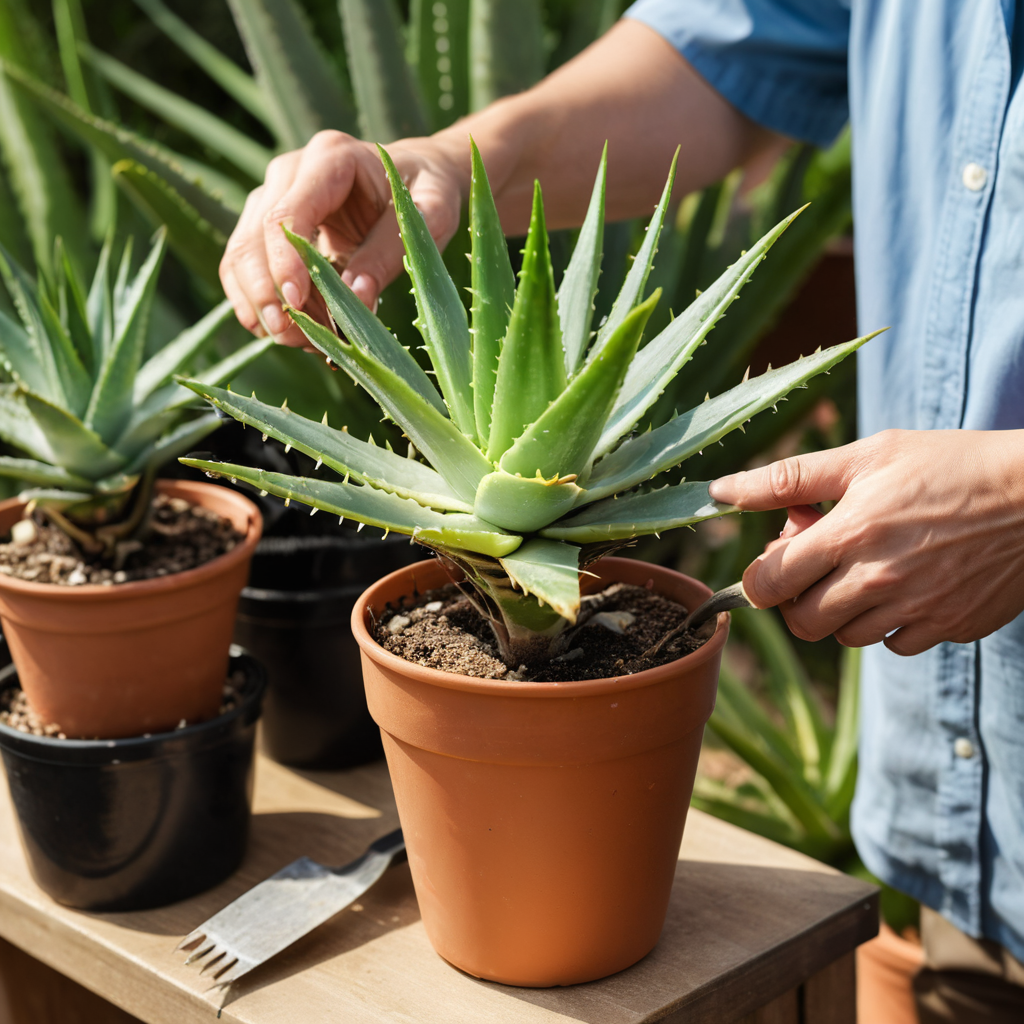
(149, 747)
(194, 489)
(498, 687)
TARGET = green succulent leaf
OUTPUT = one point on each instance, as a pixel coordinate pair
(72, 444)
(216, 204)
(20, 357)
(579, 285)
(375, 508)
(99, 310)
(561, 442)
(181, 439)
(506, 40)
(636, 280)
(364, 462)
(35, 472)
(442, 317)
(300, 87)
(493, 288)
(661, 358)
(549, 570)
(523, 503)
(390, 106)
(197, 243)
(841, 775)
(359, 325)
(449, 451)
(639, 514)
(444, 86)
(642, 457)
(531, 368)
(238, 84)
(111, 404)
(207, 129)
(178, 353)
(18, 428)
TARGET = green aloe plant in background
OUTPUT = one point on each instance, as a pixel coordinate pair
(535, 469)
(93, 417)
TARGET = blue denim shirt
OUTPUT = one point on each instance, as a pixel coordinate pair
(930, 89)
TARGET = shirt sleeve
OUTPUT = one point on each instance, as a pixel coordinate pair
(783, 63)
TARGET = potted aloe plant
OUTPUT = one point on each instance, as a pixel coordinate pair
(542, 818)
(127, 753)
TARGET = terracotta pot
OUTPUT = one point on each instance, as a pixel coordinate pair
(885, 979)
(543, 820)
(132, 658)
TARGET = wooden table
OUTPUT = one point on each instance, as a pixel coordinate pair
(755, 933)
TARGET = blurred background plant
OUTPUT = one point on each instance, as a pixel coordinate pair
(167, 111)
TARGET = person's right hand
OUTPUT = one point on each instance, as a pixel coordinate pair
(335, 191)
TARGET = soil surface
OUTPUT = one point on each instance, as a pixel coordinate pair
(179, 536)
(625, 633)
(17, 713)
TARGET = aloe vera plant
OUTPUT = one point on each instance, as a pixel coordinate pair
(94, 419)
(534, 467)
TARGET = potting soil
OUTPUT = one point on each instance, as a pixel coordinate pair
(625, 632)
(179, 536)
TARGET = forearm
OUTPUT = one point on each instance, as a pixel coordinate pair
(631, 88)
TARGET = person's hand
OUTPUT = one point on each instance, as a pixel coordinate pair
(334, 190)
(925, 543)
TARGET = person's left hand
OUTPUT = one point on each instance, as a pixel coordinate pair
(925, 543)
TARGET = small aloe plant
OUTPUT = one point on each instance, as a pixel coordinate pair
(536, 468)
(94, 419)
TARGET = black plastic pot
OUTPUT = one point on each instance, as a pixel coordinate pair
(294, 616)
(136, 823)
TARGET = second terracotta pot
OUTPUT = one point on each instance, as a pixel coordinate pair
(543, 820)
(132, 658)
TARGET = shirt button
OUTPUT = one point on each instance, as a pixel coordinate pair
(974, 177)
(963, 747)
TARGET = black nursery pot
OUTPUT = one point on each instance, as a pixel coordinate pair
(135, 823)
(294, 616)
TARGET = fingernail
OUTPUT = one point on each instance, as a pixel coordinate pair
(291, 294)
(274, 319)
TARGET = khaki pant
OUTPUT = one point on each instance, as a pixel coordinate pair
(966, 980)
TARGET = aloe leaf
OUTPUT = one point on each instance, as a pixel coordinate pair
(118, 143)
(71, 308)
(723, 802)
(561, 441)
(19, 357)
(549, 570)
(181, 439)
(523, 503)
(359, 325)
(506, 40)
(236, 82)
(493, 289)
(579, 285)
(661, 358)
(18, 428)
(531, 368)
(635, 515)
(99, 312)
(301, 88)
(177, 354)
(74, 446)
(36, 170)
(642, 457)
(447, 449)
(194, 240)
(207, 129)
(841, 775)
(111, 404)
(636, 280)
(377, 508)
(441, 316)
(75, 381)
(386, 92)
(364, 462)
(439, 51)
(34, 472)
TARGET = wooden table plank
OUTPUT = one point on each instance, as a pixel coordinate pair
(748, 921)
